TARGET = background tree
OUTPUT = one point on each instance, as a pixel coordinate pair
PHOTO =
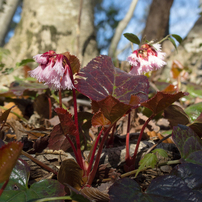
(190, 54)
(7, 10)
(157, 24)
(60, 25)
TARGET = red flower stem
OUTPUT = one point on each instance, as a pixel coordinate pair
(60, 98)
(128, 139)
(4, 186)
(94, 150)
(140, 137)
(110, 141)
(50, 107)
(78, 145)
(95, 167)
(79, 161)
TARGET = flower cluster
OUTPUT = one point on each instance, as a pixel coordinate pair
(53, 70)
(147, 58)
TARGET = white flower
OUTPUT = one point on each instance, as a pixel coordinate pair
(147, 58)
(53, 71)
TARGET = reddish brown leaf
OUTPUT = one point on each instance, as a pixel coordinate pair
(40, 144)
(57, 139)
(100, 79)
(176, 115)
(170, 89)
(95, 194)
(66, 121)
(74, 62)
(100, 120)
(4, 116)
(196, 126)
(112, 108)
(162, 100)
(70, 173)
(176, 69)
(8, 157)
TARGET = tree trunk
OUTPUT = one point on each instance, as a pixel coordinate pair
(119, 30)
(190, 53)
(54, 25)
(7, 10)
(157, 25)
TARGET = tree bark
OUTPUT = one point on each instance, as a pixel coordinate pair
(54, 25)
(157, 25)
(189, 54)
(7, 10)
(119, 30)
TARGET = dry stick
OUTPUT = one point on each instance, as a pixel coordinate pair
(38, 162)
(135, 171)
(155, 145)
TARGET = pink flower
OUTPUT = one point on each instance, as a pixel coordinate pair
(147, 58)
(53, 70)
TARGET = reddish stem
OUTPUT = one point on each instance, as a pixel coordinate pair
(94, 150)
(140, 137)
(79, 161)
(78, 146)
(128, 157)
(95, 167)
(60, 98)
(50, 107)
(4, 186)
(111, 139)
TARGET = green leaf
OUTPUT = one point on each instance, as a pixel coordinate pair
(7, 71)
(193, 111)
(194, 90)
(173, 42)
(17, 187)
(24, 62)
(161, 152)
(188, 143)
(132, 38)
(148, 160)
(177, 37)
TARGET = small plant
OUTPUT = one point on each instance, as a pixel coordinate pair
(114, 93)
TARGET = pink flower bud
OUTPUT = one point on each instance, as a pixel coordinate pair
(147, 58)
(52, 70)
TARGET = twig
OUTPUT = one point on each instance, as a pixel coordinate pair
(38, 162)
(159, 142)
(135, 171)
